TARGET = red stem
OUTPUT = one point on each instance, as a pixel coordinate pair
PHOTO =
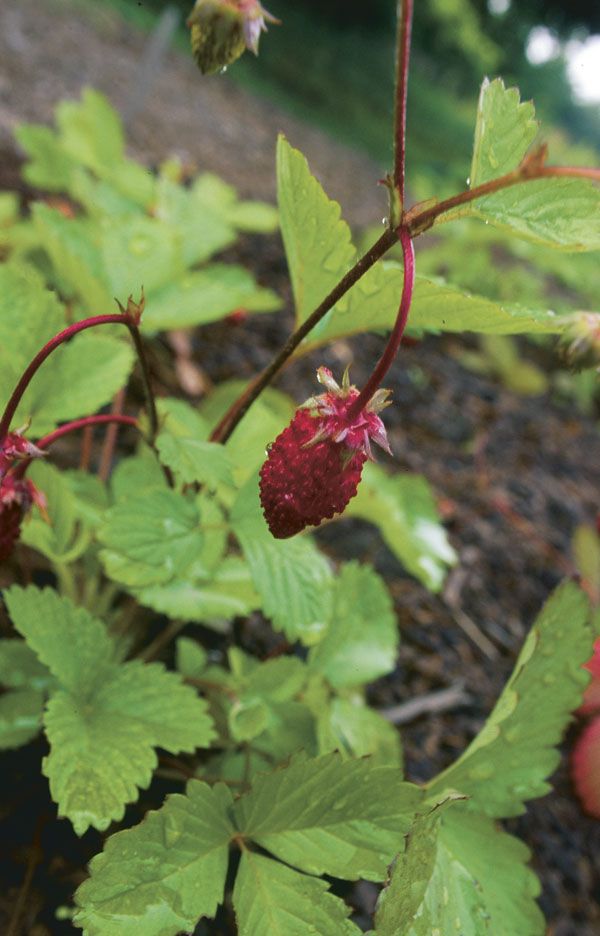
(99, 420)
(84, 423)
(46, 351)
(391, 349)
(405, 15)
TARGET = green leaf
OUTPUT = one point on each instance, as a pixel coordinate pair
(77, 380)
(202, 229)
(329, 816)
(20, 667)
(20, 717)
(73, 249)
(504, 131)
(228, 594)
(292, 577)
(73, 645)
(135, 475)
(317, 242)
(436, 306)
(191, 658)
(184, 447)
(91, 131)
(49, 167)
(206, 295)
(403, 508)
(361, 641)
(30, 315)
(162, 876)
(511, 757)
(271, 899)
(262, 423)
(254, 216)
(56, 539)
(557, 212)
(355, 730)
(106, 719)
(136, 252)
(460, 873)
(151, 540)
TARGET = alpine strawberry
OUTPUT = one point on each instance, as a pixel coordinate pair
(314, 466)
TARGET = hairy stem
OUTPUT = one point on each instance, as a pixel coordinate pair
(232, 417)
(405, 13)
(391, 349)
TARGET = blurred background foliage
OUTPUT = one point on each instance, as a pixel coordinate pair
(331, 62)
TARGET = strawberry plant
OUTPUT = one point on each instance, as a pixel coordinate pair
(290, 782)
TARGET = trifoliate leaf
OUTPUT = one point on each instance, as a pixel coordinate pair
(151, 539)
(106, 718)
(160, 877)
(460, 873)
(271, 899)
(511, 757)
(207, 295)
(355, 730)
(403, 508)
(329, 816)
(361, 641)
(20, 716)
(292, 577)
(504, 131)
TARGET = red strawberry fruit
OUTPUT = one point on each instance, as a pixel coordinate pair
(314, 466)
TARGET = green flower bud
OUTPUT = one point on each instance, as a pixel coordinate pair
(222, 29)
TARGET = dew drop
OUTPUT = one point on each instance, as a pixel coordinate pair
(384, 221)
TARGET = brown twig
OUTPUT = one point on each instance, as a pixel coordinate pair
(433, 702)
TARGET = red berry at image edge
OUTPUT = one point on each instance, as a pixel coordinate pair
(314, 466)
(16, 498)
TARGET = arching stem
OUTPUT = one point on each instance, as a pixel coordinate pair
(117, 318)
(395, 339)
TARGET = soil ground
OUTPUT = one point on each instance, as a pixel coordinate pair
(514, 476)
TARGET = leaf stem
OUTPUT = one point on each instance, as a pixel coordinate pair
(395, 339)
(116, 318)
(102, 419)
(419, 221)
(415, 222)
(405, 14)
(232, 417)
